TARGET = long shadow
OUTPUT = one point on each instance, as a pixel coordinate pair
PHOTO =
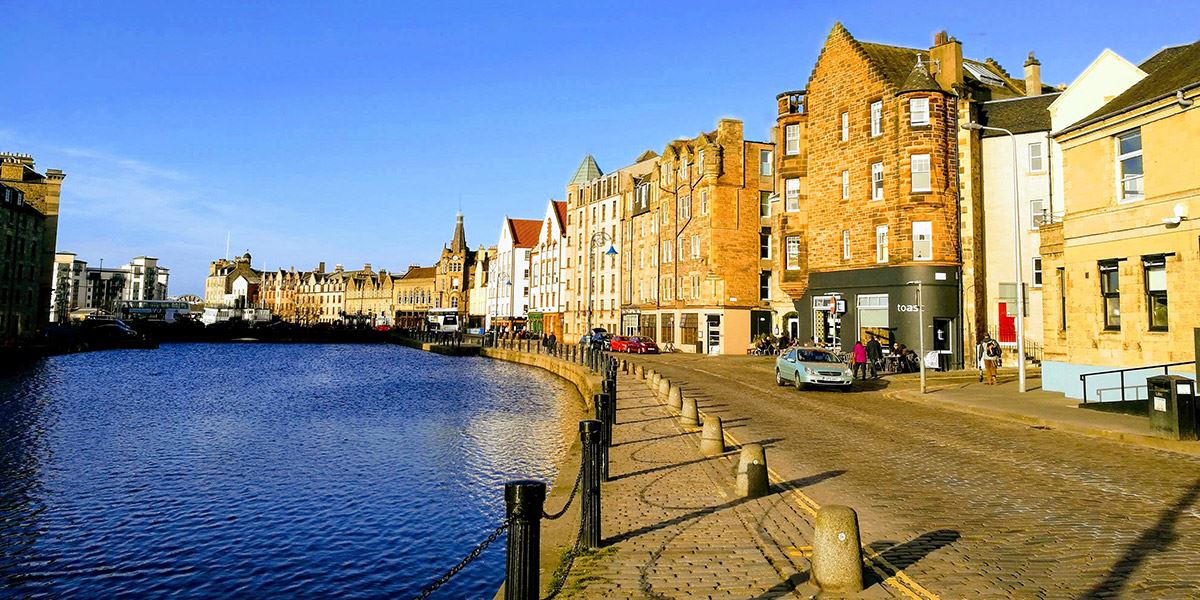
(639, 407)
(665, 467)
(653, 439)
(803, 482)
(647, 420)
(907, 554)
(1156, 539)
(708, 510)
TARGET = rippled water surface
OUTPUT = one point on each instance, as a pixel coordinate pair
(259, 470)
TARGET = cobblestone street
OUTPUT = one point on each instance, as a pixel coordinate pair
(967, 506)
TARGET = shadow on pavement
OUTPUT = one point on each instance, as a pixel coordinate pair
(905, 555)
(1153, 540)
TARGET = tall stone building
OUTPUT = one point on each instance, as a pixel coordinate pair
(279, 291)
(453, 273)
(889, 192)
(414, 296)
(40, 192)
(232, 283)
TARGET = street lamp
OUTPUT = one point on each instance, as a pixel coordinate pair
(920, 331)
(972, 126)
(599, 238)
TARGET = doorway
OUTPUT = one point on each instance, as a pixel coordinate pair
(714, 334)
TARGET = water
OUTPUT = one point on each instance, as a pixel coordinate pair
(239, 470)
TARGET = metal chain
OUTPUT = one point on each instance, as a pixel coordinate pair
(574, 490)
(566, 570)
(466, 561)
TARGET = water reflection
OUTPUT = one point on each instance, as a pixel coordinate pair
(265, 470)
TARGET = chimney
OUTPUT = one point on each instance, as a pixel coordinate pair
(337, 268)
(321, 267)
(946, 55)
(367, 267)
(1033, 76)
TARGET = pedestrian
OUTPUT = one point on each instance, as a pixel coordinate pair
(784, 342)
(553, 341)
(991, 359)
(874, 356)
(980, 349)
(859, 368)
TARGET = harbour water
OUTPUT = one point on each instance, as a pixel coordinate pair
(256, 470)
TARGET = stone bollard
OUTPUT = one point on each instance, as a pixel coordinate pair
(675, 397)
(837, 550)
(640, 372)
(752, 472)
(690, 417)
(712, 439)
(664, 388)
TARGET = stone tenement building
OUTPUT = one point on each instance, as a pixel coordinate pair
(453, 273)
(414, 296)
(25, 315)
(694, 272)
(1120, 268)
(370, 297)
(232, 284)
(881, 188)
(279, 291)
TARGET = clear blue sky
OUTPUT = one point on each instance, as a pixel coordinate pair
(349, 132)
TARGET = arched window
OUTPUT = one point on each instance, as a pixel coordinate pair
(454, 302)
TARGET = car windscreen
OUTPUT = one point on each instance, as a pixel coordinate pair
(815, 356)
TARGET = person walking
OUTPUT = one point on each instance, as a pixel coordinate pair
(980, 350)
(991, 359)
(874, 355)
(859, 368)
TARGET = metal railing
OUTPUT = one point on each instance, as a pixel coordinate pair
(1083, 380)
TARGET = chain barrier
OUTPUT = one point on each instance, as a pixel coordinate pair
(565, 568)
(466, 561)
(571, 498)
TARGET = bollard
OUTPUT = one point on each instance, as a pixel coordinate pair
(624, 366)
(752, 472)
(525, 500)
(690, 417)
(589, 484)
(664, 388)
(641, 372)
(612, 420)
(675, 397)
(601, 402)
(712, 439)
(837, 550)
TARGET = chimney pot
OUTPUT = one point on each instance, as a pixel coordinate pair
(940, 38)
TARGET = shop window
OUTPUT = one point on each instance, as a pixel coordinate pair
(688, 328)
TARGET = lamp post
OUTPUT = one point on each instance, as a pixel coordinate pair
(972, 126)
(598, 239)
(920, 331)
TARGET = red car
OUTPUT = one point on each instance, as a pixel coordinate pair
(641, 345)
(619, 343)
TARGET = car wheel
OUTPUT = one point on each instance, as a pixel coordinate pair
(779, 378)
(799, 385)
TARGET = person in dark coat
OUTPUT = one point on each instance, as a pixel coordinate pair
(874, 356)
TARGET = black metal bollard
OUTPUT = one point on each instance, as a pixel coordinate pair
(601, 402)
(525, 500)
(590, 432)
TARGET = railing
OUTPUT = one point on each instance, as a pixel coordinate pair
(525, 499)
(1122, 387)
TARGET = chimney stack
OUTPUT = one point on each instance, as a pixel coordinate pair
(321, 267)
(946, 55)
(1033, 76)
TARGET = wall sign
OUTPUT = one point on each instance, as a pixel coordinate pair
(908, 308)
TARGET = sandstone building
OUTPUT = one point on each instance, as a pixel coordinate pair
(26, 272)
(453, 269)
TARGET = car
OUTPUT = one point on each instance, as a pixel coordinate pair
(812, 366)
(641, 345)
(619, 343)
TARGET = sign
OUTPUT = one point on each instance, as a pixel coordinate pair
(841, 306)
(1160, 404)
(908, 308)
(825, 303)
(1183, 389)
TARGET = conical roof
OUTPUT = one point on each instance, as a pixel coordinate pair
(919, 80)
(587, 171)
(459, 243)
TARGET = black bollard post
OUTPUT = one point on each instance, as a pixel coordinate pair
(589, 485)
(525, 500)
(601, 402)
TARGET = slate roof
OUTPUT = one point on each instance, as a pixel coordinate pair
(919, 80)
(1170, 69)
(1018, 115)
(896, 63)
(587, 171)
(525, 232)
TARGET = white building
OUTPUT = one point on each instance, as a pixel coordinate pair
(508, 275)
(68, 290)
(546, 299)
(76, 285)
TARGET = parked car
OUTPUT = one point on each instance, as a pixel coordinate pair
(812, 366)
(619, 343)
(641, 345)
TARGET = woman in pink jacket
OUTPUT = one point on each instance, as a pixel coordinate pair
(860, 360)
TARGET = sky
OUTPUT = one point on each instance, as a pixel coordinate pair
(352, 132)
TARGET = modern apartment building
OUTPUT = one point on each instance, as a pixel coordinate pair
(69, 289)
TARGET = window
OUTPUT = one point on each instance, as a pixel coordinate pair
(846, 184)
(764, 246)
(1155, 268)
(1062, 298)
(1037, 162)
(664, 213)
(695, 247)
(695, 286)
(918, 111)
(1037, 271)
(881, 243)
(700, 162)
(877, 181)
(846, 244)
(764, 286)
(920, 173)
(876, 118)
(791, 139)
(703, 202)
(667, 248)
(683, 168)
(792, 246)
(845, 126)
(685, 208)
(764, 162)
(1110, 294)
(764, 204)
(922, 236)
(1037, 213)
(792, 195)
(1129, 166)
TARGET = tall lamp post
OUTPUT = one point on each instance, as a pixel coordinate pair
(599, 238)
(920, 331)
(973, 126)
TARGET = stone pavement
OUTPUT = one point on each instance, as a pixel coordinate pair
(970, 506)
(673, 527)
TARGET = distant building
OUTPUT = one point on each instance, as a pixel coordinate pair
(69, 290)
(78, 286)
(27, 270)
(508, 279)
(453, 272)
(232, 284)
(546, 299)
(478, 295)
(414, 296)
(370, 297)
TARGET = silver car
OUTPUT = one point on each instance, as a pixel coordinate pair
(801, 366)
